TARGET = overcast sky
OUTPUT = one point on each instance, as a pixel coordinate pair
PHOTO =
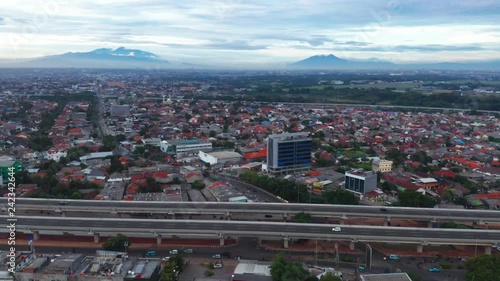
(256, 31)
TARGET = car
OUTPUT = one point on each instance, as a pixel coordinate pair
(63, 203)
(434, 269)
(151, 253)
(361, 268)
(383, 209)
(216, 256)
(268, 216)
(226, 254)
(393, 257)
(173, 252)
(218, 265)
(188, 251)
(336, 229)
(165, 259)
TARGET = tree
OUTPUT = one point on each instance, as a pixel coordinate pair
(197, 184)
(411, 198)
(414, 277)
(278, 267)
(205, 174)
(483, 268)
(340, 196)
(118, 243)
(329, 276)
(294, 271)
(302, 218)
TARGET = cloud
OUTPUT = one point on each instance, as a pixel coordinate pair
(268, 29)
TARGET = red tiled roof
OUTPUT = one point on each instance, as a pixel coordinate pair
(446, 173)
(254, 155)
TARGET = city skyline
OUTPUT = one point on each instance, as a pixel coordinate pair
(256, 32)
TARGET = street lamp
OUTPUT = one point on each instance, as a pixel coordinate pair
(475, 250)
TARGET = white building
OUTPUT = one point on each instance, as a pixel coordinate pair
(184, 146)
(219, 157)
(55, 155)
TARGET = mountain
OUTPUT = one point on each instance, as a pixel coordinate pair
(326, 62)
(333, 62)
(99, 58)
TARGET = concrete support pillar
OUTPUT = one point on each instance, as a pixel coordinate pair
(285, 217)
(63, 214)
(158, 239)
(420, 248)
(227, 216)
(173, 215)
(352, 245)
(487, 250)
(342, 221)
(259, 241)
(96, 238)
(285, 242)
(36, 235)
(221, 241)
(386, 222)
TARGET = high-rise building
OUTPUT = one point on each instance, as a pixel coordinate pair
(289, 153)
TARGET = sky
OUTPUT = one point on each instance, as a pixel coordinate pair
(266, 32)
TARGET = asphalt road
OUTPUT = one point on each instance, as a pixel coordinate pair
(263, 208)
(275, 229)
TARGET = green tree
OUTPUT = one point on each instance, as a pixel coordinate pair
(294, 271)
(340, 196)
(484, 268)
(197, 184)
(278, 267)
(118, 243)
(329, 276)
(302, 218)
(176, 180)
(411, 198)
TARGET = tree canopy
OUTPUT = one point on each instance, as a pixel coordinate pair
(302, 218)
(411, 198)
(118, 243)
(484, 268)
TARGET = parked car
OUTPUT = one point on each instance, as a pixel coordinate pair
(173, 252)
(434, 269)
(151, 253)
(361, 268)
(218, 265)
(216, 256)
(188, 251)
(165, 259)
(226, 254)
(336, 229)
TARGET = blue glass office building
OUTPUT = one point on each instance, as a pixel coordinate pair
(289, 153)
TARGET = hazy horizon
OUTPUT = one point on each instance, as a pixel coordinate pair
(256, 32)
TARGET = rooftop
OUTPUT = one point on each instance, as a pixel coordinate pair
(386, 277)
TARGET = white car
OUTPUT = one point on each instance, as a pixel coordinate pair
(336, 229)
(174, 252)
(218, 265)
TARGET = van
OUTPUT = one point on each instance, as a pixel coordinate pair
(151, 253)
(393, 257)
